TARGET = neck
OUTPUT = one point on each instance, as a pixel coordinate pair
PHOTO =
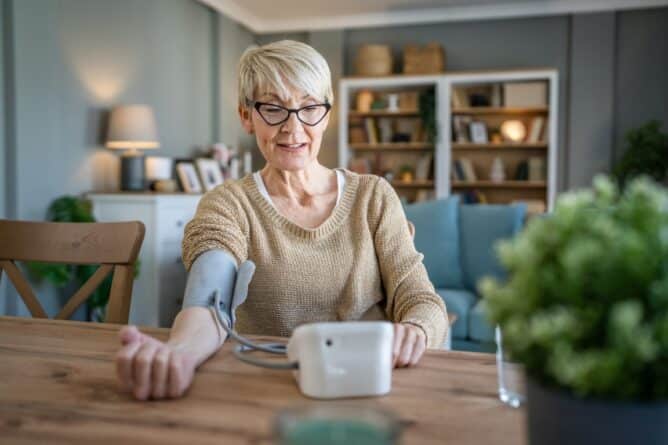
(301, 185)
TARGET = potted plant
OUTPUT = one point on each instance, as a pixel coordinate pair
(585, 309)
(74, 209)
(646, 154)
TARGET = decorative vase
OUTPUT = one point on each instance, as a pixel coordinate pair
(497, 173)
(556, 418)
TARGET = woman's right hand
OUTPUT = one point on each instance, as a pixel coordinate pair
(150, 368)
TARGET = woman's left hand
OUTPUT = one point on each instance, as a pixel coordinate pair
(409, 345)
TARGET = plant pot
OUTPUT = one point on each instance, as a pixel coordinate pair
(557, 418)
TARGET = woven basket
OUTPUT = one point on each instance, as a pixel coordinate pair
(373, 60)
(424, 60)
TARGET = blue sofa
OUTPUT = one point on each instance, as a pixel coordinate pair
(457, 241)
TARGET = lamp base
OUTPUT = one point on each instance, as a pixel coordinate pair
(132, 172)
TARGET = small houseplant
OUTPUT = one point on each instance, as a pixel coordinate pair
(585, 309)
(646, 153)
(74, 209)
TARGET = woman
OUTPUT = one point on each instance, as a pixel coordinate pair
(327, 244)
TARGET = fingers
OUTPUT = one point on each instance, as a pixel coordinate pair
(409, 345)
(143, 365)
(406, 348)
(129, 334)
(397, 343)
(160, 373)
(125, 363)
(419, 347)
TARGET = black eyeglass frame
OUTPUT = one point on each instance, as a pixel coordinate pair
(257, 106)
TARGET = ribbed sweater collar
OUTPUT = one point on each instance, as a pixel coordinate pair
(338, 215)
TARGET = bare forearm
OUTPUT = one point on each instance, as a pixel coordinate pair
(196, 332)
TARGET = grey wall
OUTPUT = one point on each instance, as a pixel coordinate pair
(233, 39)
(591, 98)
(75, 59)
(71, 61)
(641, 83)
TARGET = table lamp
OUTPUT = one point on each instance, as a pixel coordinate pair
(132, 128)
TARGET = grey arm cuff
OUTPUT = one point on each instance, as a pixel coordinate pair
(216, 270)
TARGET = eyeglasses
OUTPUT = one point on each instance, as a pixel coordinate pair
(274, 114)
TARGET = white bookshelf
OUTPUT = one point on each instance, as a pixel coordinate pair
(444, 146)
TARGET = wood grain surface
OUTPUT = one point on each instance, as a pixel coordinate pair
(58, 385)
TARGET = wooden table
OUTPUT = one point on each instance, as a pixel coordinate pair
(58, 385)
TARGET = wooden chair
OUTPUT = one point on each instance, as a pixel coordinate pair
(111, 245)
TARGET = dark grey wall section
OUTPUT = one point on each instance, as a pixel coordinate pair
(331, 45)
(3, 144)
(71, 61)
(494, 44)
(641, 90)
(3, 98)
(75, 59)
(233, 39)
(591, 97)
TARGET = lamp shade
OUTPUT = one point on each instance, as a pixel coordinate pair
(132, 127)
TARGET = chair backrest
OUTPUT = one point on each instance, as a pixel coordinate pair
(114, 246)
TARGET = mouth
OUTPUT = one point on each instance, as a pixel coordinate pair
(292, 147)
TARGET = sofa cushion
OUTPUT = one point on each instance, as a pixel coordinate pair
(481, 226)
(479, 327)
(458, 302)
(437, 238)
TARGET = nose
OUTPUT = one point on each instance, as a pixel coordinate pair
(292, 124)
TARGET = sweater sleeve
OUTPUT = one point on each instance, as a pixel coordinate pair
(411, 297)
(219, 223)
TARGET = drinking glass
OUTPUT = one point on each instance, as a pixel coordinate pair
(335, 424)
(510, 374)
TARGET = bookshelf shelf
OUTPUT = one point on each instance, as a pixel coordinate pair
(500, 110)
(499, 146)
(384, 113)
(504, 184)
(393, 146)
(413, 184)
(528, 95)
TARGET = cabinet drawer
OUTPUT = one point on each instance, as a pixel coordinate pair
(172, 221)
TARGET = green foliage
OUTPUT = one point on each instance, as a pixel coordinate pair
(73, 209)
(646, 154)
(585, 305)
(427, 104)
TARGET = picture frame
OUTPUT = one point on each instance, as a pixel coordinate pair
(209, 172)
(188, 177)
(478, 130)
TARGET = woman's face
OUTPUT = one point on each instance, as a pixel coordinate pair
(291, 145)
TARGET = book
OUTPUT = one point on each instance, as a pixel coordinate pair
(522, 171)
(469, 171)
(423, 167)
(525, 94)
(460, 128)
(371, 134)
(536, 129)
(460, 98)
(458, 170)
(536, 169)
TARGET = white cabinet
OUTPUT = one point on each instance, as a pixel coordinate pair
(158, 291)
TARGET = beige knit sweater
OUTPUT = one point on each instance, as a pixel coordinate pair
(360, 263)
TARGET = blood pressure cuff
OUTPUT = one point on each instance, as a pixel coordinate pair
(217, 270)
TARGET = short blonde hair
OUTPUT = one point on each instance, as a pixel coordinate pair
(281, 66)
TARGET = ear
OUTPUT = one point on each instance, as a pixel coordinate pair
(245, 114)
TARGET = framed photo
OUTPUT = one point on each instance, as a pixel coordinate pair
(210, 172)
(188, 177)
(478, 130)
